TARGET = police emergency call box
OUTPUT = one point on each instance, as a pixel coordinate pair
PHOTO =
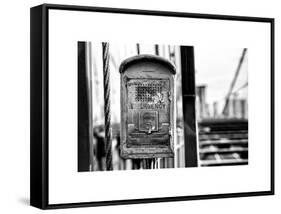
(147, 107)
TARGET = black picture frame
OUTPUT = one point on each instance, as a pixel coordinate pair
(39, 112)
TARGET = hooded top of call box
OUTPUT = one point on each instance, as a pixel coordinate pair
(146, 58)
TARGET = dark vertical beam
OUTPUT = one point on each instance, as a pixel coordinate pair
(189, 111)
(83, 111)
(138, 48)
(157, 50)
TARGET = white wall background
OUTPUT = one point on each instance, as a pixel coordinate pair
(14, 108)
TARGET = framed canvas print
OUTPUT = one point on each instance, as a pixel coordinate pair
(134, 106)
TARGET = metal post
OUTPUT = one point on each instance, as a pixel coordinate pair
(157, 50)
(138, 49)
(189, 111)
(85, 123)
(90, 102)
(148, 163)
(107, 115)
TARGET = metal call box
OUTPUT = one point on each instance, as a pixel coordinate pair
(147, 107)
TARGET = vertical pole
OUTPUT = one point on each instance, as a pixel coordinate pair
(107, 116)
(189, 111)
(201, 90)
(138, 48)
(243, 107)
(215, 109)
(148, 163)
(157, 50)
(90, 102)
(83, 110)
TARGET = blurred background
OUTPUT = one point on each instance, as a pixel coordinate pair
(221, 105)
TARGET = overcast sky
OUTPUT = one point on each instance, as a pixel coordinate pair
(216, 67)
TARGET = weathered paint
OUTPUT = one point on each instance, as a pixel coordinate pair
(147, 107)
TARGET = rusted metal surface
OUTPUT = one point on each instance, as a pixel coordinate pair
(147, 105)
